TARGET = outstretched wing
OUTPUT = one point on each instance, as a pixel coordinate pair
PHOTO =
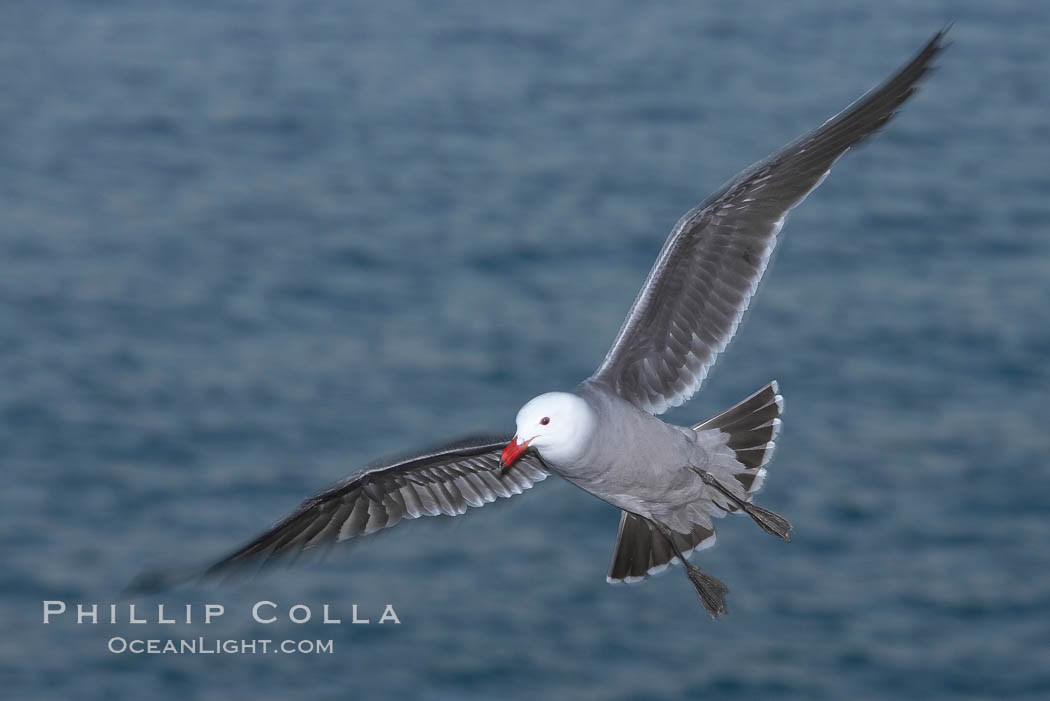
(446, 480)
(702, 282)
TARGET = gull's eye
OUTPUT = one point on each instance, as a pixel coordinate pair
(545, 420)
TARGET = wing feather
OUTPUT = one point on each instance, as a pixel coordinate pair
(702, 282)
(447, 481)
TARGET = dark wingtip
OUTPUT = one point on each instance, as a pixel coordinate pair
(931, 50)
(937, 45)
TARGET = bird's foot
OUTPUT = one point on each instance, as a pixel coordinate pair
(711, 591)
(768, 521)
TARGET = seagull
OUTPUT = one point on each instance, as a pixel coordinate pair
(604, 435)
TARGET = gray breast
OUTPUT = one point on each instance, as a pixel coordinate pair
(632, 452)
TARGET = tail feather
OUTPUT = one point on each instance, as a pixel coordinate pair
(748, 411)
(752, 427)
(642, 551)
(747, 440)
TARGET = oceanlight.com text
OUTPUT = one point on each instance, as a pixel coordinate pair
(217, 646)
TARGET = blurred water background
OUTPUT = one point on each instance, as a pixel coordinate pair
(246, 247)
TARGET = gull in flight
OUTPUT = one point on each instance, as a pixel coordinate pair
(604, 436)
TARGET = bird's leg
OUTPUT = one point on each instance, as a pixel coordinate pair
(768, 521)
(710, 590)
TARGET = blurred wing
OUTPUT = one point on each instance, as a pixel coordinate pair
(703, 280)
(442, 481)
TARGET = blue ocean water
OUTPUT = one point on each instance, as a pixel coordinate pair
(247, 248)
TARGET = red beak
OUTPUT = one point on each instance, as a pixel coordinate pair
(513, 452)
